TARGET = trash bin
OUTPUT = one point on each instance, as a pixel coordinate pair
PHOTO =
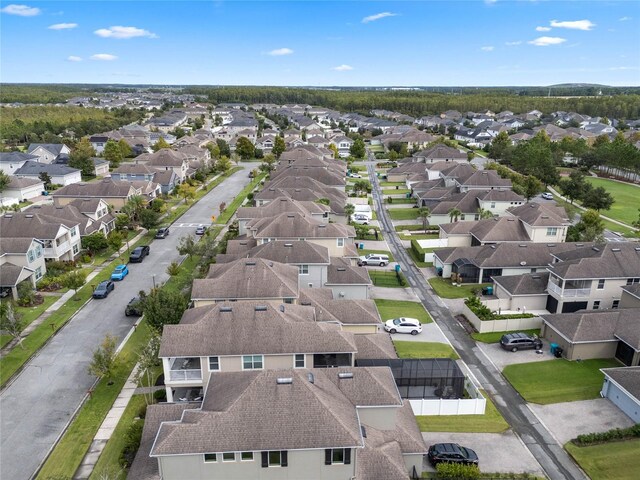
(397, 268)
(397, 187)
(558, 352)
(408, 195)
(553, 348)
(362, 246)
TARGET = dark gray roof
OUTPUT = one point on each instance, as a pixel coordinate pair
(627, 377)
(374, 346)
(8, 157)
(280, 205)
(611, 260)
(15, 245)
(345, 311)
(54, 148)
(441, 151)
(10, 274)
(36, 168)
(292, 225)
(528, 284)
(21, 182)
(29, 225)
(105, 188)
(488, 178)
(632, 290)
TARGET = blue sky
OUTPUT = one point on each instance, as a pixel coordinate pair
(321, 43)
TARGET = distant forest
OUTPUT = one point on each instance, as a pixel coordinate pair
(614, 102)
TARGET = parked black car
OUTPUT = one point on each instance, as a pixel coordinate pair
(451, 453)
(139, 253)
(163, 232)
(519, 341)
(103, 289)
(134, 307)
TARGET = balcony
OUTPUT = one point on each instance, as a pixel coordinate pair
(185, 370)
(568, 292)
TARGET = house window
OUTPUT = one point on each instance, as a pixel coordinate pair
(38, 273)
(75, 248)
(274, 458)
(214, 364)
(615, 304)
(252, 362)
(552, 231)
(493, 204)
(299, 360)
(303, 269)
(337, 456)
(228, 457)
(210, 457)
(32, 257)
(633, 281)
(287, 300)
(246, 456)
(38, 250)
(596, 305)
(341, 242)
(462, 217)
(601, 284)
(73, 232)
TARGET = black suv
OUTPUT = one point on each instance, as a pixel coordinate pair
(518, 341)
(139, 253)
(134, 308)
(451, 453)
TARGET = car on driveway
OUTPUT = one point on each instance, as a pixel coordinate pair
(403, 325)
(451, 453)
(134, 307)
(163, 232)
(120, 272)
(139, 253)
(355, 175)
(360, 219)
(201, 230)
(547, 196)
(374, 259)
(520, 341)
(103, 289)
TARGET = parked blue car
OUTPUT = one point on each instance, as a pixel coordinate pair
(120, 272)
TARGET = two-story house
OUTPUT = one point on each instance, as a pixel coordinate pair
(165, 159)
(441, 153)
(114, 193)
(343, 144)
(10, 162)
(49, 152)
(281, 205)
(21, 259)
(91, 215)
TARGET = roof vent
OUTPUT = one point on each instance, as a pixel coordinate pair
(310, 377)
(243, 242)
(511, 219)
(282, 308)
(363, 431)
(345, 375)
(226, 309)
(8, 215)
(341, 269)
(595, 249)
(284, 380)
(290, 215)
(28, 216)
(493, 246)
(288, 244)
(522, 245)
(637, 249)
(537, 277)
(260, 308)
(579, 244)
(322, 226)
(551, 244)
(250, 264)
(523, 263)
(544, 216)
(615, 249)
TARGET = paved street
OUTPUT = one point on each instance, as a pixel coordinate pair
(35, 408)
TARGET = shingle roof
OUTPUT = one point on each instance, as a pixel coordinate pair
(166, 158)
(10, 274)
(322, 175)
(632, 290)
(16, 183)
(294, 252)
(346, 311)
(627, 377)
(341, 272)
(54, 148)
(374, 346)
(247, 278)
(441, 151)
(280, 205)
(528, 284)
(539, 215)
(292, 225)
(9, 157)
(487, 178)
(612, 260)
(36, 168)
(104, 188)
(252, 328)
(29, 225)
(15, 245)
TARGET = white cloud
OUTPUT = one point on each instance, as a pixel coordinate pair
(546, 41)
(124, 32)
(278, 52)
(624, 68)
(490, 2)
(624, 19)
(62, 26)
(574, 25)
(342, 68)
(378, 16)
(73, 58)
(103, 56)
(511, 44)
(543, 29)
(21, 10)
(488, 48)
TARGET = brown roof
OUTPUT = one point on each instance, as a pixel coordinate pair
(541, 215)
(612, 260)
(295, 225)
(10, 274)
(374, 346)
(345, 311)
(295, 252)
(16, 183)
(528, 284)
(497, 229)
(135, 168)
(488, 178)
(627, 377)
(441, 151)
(341, 272)
(166, 158)
(15, 245)
(280, 205)
(105, 188)
(29, 225)
(322, 175)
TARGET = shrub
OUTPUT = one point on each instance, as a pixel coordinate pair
(484, 313)
(26, 294)
(57, 268)
(85, 259)
(173, 269)
(613, 435)
(160, 395)
(49, 283)
(400, 278)
(142, 412)
(132, 443)
(457, 471)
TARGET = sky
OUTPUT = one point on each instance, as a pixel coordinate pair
(321, 43)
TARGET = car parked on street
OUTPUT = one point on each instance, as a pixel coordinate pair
(103, 289)
(451, 453)
(547, 196)
(134, 307)
(120, 272)
(374, 259)
(201, 230)
(520, 341)
(403, 325)
(163, 232)
(138, 254)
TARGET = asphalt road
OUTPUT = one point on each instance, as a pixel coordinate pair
(38, 404)
(552, 458)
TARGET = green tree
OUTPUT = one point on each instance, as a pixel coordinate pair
(4, 180)
(278, 146)
(11, 322)
(597, 199)
(160, 144)
(125, 149)
(148, 360)
(268, 163)
(214, 150)
(223, 165)
(245, 148)
(112, 154)
(103, 360)
(535, 157)
(115, 239)
(149, 218)
(361, 231)
(500, 148)
(531, 187)
(590, 228)
(358, 149)
(186, 191)
(454, 214)
(164, 307)
(223, 146)
(187, 246)
(74, 280)
(334, 149)
(46, 179)
(423, 214)
(80, 157)
(574, 187)
(134, 206)
(636, 224)
(96, 242)
(361, 186)
(349, 210)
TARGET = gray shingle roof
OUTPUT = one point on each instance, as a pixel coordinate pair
(16, 157)
(627, 377)
(29, 225)
(292, 225)
(612, 260)
(293, 253)
(280, 205)
(374, 346)
(341, 272)
(36, 168)
(345, 311)
(539, 215)
(488, 178)
(104, 188)
(15, 245)
(10, 274)
(16, 183)
(528, 284)
(54, 148)
(441, 151)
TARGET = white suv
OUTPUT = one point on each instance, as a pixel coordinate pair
(403, 325)
(360, 219)
(374, 259)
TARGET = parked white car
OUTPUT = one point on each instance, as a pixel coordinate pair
(360, 219)
(355, 175)
(547, 196)
(403, 325)
(374, 259)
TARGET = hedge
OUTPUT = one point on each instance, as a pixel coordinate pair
(484, 313)
(613, 435)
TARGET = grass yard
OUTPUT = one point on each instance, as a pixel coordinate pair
(494, 337)
(614, 227)
(444, 289)
(392, 184)
(490, 422)
(418, 227)
(407, 349)
(383, 252)
(419, 236)
(556, 381)
(608, 461)
(388, 278)
(401, 308)
(231, 209)
(395, 191)
(625, 206)
(402, 201)
(419, 262)
(403, 214)
(29, 314)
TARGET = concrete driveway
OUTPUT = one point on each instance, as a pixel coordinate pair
(569, 419)
(37, 405)
(501, 358)
(497, 452)
(430, 333)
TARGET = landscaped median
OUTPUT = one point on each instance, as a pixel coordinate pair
(230, 210)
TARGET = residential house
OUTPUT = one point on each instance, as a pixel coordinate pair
(10, 162)
(101, 167)
(630, 296)
(59, 174)
(441, 202)
(49, 152)
(133, 171)
(114, 193)
(309, 191)
(23, 188)
(441, 153)
(21, 259)
(98, 142)
(279, 205)
(343, 144)
(526, 293)
(483, 180)
(91, 215)
(346, 280)
(622, 386)
(166, 159)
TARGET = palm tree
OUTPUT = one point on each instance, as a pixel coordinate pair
(424, 213)
(133, 207)
(454, 214)
(483, 213)
(349, 210)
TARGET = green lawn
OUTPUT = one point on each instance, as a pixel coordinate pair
(494, 337)
(608, 461)
(444, 289)
(417, 227)
(29, 314)
(400, 308)
(108, 465)
(231, 209)
(366, 251)
(420, 263)
(419, 236)
(403, 213)
(556, 381)
(625, 206)
(395, 191)
(408, 349)
(614, 227)
(392, 184)
(490, 422)
(387, 278)
(402, 201)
